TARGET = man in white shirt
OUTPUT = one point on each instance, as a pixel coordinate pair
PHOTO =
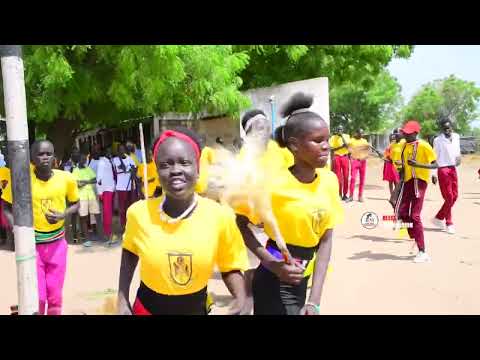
(95, 157)
(106, 190)
(447, 148)
(125, 170)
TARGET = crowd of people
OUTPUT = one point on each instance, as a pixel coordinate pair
(178, 236)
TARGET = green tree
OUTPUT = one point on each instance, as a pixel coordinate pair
(275, 64)
(75, 87)
(372, 109)
(71, 88)
(450, 97)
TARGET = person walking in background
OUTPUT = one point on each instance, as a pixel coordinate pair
(390, 173)
(206, 160)
(125, 170)
(152, 176)
(341, 159)
(86, 180)
(447, 148)
(359, 149)
(418, 158)
(106, 183)
(132, 153)
(95, 157)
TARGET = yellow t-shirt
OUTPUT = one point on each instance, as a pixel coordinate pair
(355, 146)
(151, 174)
(4, 176)
(179, 259)
(207, 158)
(336, 141)
(303, 211)
(396, 151)
(47, 195)
(425, 155)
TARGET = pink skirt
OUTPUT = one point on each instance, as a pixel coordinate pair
(390, 173)
(4, 224)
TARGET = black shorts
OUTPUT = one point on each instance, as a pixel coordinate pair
(159, 304)
(273, 297)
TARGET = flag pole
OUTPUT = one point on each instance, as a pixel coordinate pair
(144, 161)
(19, 160)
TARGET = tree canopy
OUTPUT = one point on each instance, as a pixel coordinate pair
(451, 97)
(76, 87)
(372, 109)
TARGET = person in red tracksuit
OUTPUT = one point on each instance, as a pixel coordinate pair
(447, 148)
(341, 160)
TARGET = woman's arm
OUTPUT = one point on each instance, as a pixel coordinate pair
(285, 272)
(235, 283)
(320, 270)
(128, 264)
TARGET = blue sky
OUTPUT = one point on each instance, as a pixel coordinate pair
(431, 62)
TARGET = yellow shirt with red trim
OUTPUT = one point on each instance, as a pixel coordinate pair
(151, 174)
(424, 155)
(207, 158)
(303, 211)
(356, 148)
(179, 258)
(49, 195)
(336, 141)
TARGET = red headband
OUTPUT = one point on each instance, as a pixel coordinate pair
(179, 135)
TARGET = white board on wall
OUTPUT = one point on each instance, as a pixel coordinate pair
(318, 87)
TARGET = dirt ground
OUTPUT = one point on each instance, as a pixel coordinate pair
(373, 272)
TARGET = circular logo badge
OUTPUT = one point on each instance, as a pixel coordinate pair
(369, 220)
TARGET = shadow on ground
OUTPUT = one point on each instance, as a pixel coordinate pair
(377, 239)
(377, 198)
(373, 187)
(432, 229)
(368, 255)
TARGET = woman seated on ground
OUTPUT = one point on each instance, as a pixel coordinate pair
(179, 238)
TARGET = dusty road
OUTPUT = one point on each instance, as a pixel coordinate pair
(372, 272)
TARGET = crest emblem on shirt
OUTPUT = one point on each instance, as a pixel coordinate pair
(317, 219)
(180, 267)
(46, 205)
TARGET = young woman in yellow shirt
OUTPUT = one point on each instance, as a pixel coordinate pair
(306, 206)
(179, 239)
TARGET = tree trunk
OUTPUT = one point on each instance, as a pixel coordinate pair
(61, 133)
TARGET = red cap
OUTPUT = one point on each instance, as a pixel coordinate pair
(411, 127)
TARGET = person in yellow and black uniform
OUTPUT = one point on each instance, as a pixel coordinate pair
(179, 238)
(256, 125)
(153, 187)
(306, 206)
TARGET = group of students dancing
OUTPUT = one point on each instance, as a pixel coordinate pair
(181, 237)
